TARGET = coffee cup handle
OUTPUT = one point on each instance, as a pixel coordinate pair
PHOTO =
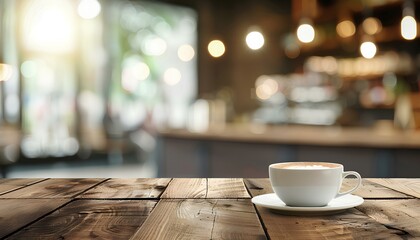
(359, 182)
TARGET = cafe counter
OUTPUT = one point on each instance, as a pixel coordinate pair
(246, 150)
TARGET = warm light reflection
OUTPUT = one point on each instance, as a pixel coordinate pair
(216, 48)
(49, 26)
(409, 28)
(372, 25)
(368, 50)
(89, 9)
(306, 33)
(265, 87)
(254, 40)
(186, 52)
(352, 67)
(6, 71)
(329, 64)
(172, 76)
(346, 29)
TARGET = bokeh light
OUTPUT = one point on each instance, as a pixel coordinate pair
(49, 27)
(6, 71)
(368, 50)
(89, 9)
(154, 46)
(409, 28)
(172, 76)
(216, 48)
(372, 25)
(346, 29)
(265, 87)
(186, 52)
(254, 40)
(134, 72)
(29, 69)
(306, 33)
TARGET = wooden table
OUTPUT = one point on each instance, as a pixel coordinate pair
(194, 208)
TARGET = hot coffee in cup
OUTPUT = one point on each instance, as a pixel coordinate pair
(309, 184)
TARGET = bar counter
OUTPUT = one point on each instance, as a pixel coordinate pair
(380, 137)
(244, 150)
(195, 208)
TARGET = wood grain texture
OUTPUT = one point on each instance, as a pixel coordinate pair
(226, 188)
(206, 188)
(409, 186)
(87, 219)
(347, 225)
(54, 188)
(128, 188)
(258, 186)
(202, 219)
(351, 224)
(371, 189)
(8, 185)
(402, 215)
(186, 188)
(16, 213)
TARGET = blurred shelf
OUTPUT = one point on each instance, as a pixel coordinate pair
(325, 19)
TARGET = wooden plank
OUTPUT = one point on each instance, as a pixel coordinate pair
(186, 188)
(206, 188)
(409, 186)
(202, 219)
(351, 224)
(402, 215)
(54, 188)
(258, 186)
(369, 189)
(10, 184)
(87, 219)
(226, 188)
(17, 213)
(128, 188)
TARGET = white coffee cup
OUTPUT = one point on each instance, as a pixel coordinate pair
(309, 184)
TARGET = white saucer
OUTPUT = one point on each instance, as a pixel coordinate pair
(271, 201)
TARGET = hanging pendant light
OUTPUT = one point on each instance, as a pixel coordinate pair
(305, 32)
(408, 22)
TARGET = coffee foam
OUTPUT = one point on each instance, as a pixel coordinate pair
(307, 167)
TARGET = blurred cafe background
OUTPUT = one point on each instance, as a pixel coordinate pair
(208, 88)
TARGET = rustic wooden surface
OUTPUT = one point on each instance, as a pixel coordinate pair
(16, 213)
(206, 188)
(202, 219)
(408, 186)
(128, 188)
(195, 209)
(54, 188)
(7, 185)
(85, 219)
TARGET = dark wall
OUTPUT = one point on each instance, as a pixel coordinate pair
(239, 67)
